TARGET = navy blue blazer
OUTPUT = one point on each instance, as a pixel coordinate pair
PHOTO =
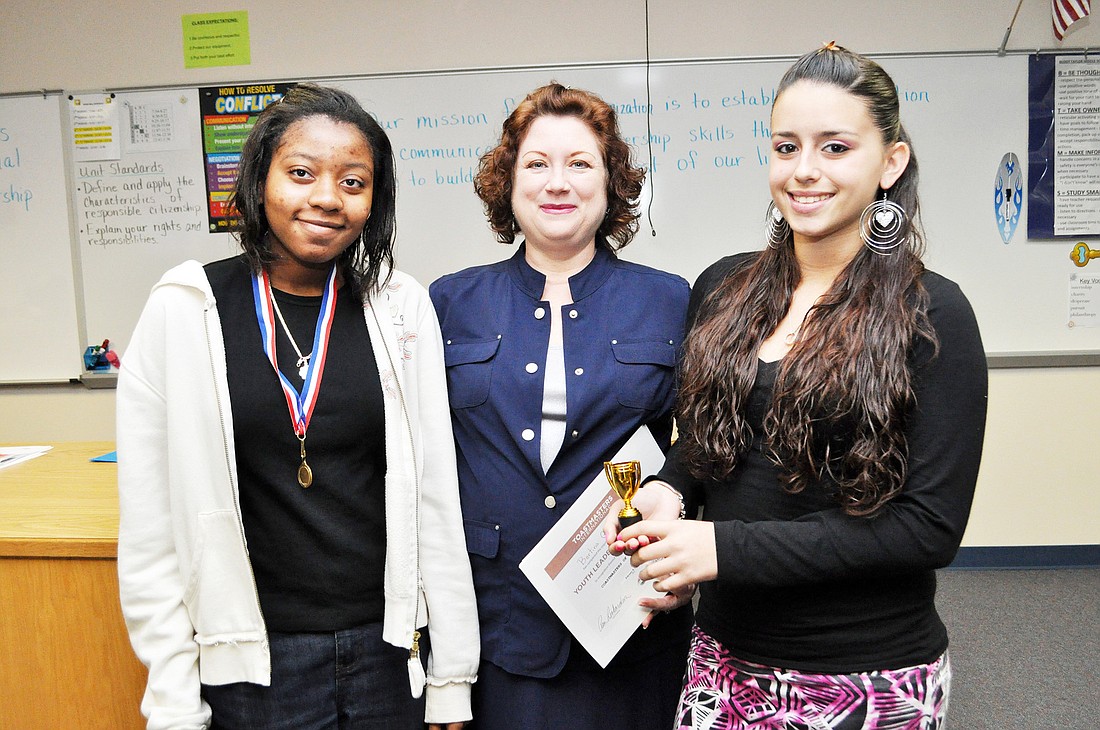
(622, 337)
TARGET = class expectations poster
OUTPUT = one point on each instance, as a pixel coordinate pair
(227, 114)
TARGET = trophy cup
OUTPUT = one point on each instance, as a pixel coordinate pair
(625, 477)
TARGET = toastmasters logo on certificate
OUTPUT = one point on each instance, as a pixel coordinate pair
(216, 39)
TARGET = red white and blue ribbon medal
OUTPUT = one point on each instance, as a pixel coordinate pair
(300, 405)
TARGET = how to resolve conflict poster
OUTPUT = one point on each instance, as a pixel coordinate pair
(227, 114)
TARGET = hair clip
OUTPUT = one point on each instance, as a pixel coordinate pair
(830, 46)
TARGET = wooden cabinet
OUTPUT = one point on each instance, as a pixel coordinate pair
(65, 658)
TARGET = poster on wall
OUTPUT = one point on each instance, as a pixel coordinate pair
(157, 122)
(1077, 147)
(1063, 146)
(216, 39)
(227, 114)
(93, 119)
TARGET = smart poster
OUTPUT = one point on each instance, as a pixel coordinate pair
(1077, 147)
(1063, 146)
(227, 114)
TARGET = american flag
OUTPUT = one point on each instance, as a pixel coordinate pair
(1067, 12)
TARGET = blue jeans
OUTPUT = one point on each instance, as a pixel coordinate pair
(343, 680)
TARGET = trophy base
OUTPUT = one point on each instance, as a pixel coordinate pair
(626, 520)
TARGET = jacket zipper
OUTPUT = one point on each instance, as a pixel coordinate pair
(414, 650)
(228, 463)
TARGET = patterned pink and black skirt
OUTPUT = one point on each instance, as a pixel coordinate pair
(722, 692)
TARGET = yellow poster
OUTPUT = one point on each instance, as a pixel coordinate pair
(216, 39)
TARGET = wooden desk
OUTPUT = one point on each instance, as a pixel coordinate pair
(65, 658)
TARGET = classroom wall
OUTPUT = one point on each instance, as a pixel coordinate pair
(123, 43)
(1038, 484)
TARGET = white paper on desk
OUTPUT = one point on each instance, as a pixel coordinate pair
(593, 592)
(11, 455)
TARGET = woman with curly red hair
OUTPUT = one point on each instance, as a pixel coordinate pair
(555, 357)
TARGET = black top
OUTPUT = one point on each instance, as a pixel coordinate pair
(318, 553)
(801, 585)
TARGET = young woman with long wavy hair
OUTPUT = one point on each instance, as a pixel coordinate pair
(831, 417)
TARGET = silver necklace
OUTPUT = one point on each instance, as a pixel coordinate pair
(303, 360)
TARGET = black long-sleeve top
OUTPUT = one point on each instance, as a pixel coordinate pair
(802, 585)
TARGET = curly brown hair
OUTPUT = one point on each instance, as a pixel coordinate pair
(496, 170)
(844, 392)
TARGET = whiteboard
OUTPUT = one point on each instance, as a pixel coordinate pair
(141, 214)
(39, 324)
(709, 131)
(709, 135)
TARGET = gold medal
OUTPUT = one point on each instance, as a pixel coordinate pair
(305, 474)
(301, 404)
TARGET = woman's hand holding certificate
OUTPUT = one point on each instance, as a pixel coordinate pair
(661, 505)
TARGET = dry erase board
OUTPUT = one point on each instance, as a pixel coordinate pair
(137, 216)
(709, 135)
(39, 325)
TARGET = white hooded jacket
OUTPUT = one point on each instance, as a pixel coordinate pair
(187, 589)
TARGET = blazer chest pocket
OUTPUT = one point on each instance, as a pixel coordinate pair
(645, 371)
(469, 371)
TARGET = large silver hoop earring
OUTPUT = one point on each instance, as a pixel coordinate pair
(776, 228)
(883, 226)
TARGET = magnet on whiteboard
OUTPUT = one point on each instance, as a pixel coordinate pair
(1008, 196)
(1082, 254)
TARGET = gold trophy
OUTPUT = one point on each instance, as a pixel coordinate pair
(625, 477)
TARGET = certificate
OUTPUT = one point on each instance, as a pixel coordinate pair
(11, 455)
(594, 592)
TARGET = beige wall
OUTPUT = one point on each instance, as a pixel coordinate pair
(124, 43)
(1039, 483)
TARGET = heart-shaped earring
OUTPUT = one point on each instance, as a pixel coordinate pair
(883, 226)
